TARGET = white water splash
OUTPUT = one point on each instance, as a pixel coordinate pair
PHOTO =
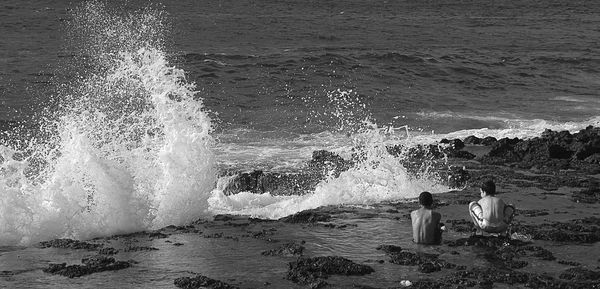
(129, 150)
(380, 177)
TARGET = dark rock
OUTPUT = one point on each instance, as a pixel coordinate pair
(532, 213)
(486, 277)
(578, 231)
(262, 234)
(485, 241)
(200, 281)
(427, 262)
(589, 196)
(552, 150)
(312, 271)
(580, 274)
(322, 164)
(69, 244)
(473, 140)
(287, 249)
(507, 256)
(462, 155)
(139, 248)
(222, 218)
(489, 140)
(570, 263)
(90, 265)
(108, 251)
(389, 248)
(213, 236)
(329, 163)
(461, 226)
(308, 216)
(593, 159)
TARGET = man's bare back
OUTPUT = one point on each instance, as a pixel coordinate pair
(426, 222)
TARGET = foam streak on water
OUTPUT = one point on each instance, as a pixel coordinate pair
(129, 149)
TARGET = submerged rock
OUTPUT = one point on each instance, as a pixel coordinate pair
(69, 244)
(287, 249)
(427, 262)
(108, 251)
(200, 281)
(139, 248)
(389, 248)
(312, 271)
(461, 226)
(308, 216)
(589, 196)
(578, 231)
(90, 265)
(580, 274)
(485, 241)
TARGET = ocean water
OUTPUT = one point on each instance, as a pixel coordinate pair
(133, 110)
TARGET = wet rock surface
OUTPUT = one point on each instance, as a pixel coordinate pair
(287, 249)
(139, 248)
(389, 249)
(90, 265)
(322, 164)
(589, 196)
(551, 151)
(312, 271)
(427, 263)
(309, 216)
(69, 244)
(200, 281)
(580, 274)
(585, 230)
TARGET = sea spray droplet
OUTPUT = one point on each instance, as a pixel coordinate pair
(129, 149)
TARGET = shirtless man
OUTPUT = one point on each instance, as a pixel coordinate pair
(426, 225)
(490, 214)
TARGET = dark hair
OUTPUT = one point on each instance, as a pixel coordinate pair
(426, 199)
(489, 187)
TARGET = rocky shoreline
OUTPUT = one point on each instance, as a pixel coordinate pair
(558, 170)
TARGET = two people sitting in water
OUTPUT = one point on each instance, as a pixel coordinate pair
(490, 215)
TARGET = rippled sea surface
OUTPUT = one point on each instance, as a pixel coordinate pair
(267, 65)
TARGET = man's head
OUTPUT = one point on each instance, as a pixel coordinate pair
(488, 187)
(425, 199)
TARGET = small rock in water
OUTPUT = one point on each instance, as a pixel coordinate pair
(69, 244)
(389, 248)
(287, 249)
(311, 271)
(108, 251)
(90, 265)
(201, 282)
(580, 274)
(309, 216)
(140, 248)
